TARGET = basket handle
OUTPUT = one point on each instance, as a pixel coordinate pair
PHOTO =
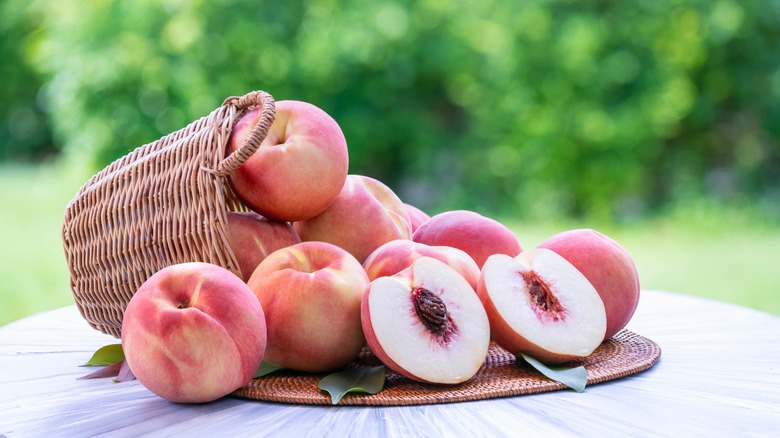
(258, 133)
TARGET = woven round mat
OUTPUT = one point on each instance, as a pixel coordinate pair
(501, 376)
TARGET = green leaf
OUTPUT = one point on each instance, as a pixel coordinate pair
(266, 368)
(107, 355)
(369, 380)
(575, 378)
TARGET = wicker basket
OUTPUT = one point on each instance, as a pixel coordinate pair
(162, 204)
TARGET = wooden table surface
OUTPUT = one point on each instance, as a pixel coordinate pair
(718, 375)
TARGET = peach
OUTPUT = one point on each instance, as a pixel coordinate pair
(193, 332)
(477, 235)
(299, 167)
(311, 294)
(364, 216)
(540, 305)
(607, 265)
(397, 255)
(426, 323)
(253, 237)
(416, 216)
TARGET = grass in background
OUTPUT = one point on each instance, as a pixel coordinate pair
(727, 254)
(702, 249)
(33, 271)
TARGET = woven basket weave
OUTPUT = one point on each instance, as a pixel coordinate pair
(162, 204)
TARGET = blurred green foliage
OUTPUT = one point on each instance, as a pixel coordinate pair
(540, 108)
(24, 129)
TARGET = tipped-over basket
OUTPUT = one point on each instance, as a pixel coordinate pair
(164, 203)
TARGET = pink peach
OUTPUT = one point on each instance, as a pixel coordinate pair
(253, 237)
(365, 215)
(193, 332)
(477, 235)
(299, 167)
(311, 294)
(397, 255)
(416, 216)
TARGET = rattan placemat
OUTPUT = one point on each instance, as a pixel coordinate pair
(501, 376)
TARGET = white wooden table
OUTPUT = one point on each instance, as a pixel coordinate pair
(719, 375)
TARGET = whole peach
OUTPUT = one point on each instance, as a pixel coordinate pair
(299, 167)
(607, 265)
(311, 294)
(193, 332)
(397, 255)
(365, 215)
(416, 216)
(253, 237)
(477, 235)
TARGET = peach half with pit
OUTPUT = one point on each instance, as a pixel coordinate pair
(540, 305)
(608, 266)
(426, 323)
(193, 332)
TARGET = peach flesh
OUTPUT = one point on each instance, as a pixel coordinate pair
(608, 266)
(448, 348)
(516, 307)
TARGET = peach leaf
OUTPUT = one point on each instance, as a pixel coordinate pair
(112, 360)
(106, 355)
(575, 378)
(367, 380)
(266, 368)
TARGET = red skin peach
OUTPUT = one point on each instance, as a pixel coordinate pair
(193, 332)
(253, 237)
(397, 255)
(416, 216)
(476, 235)
(299, 167)
(311, 294)
(364, 216)
(608, 266)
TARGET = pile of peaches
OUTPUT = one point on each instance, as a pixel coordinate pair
(333, 262)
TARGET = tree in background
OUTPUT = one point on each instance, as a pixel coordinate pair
(24, 129)
(541, 108)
